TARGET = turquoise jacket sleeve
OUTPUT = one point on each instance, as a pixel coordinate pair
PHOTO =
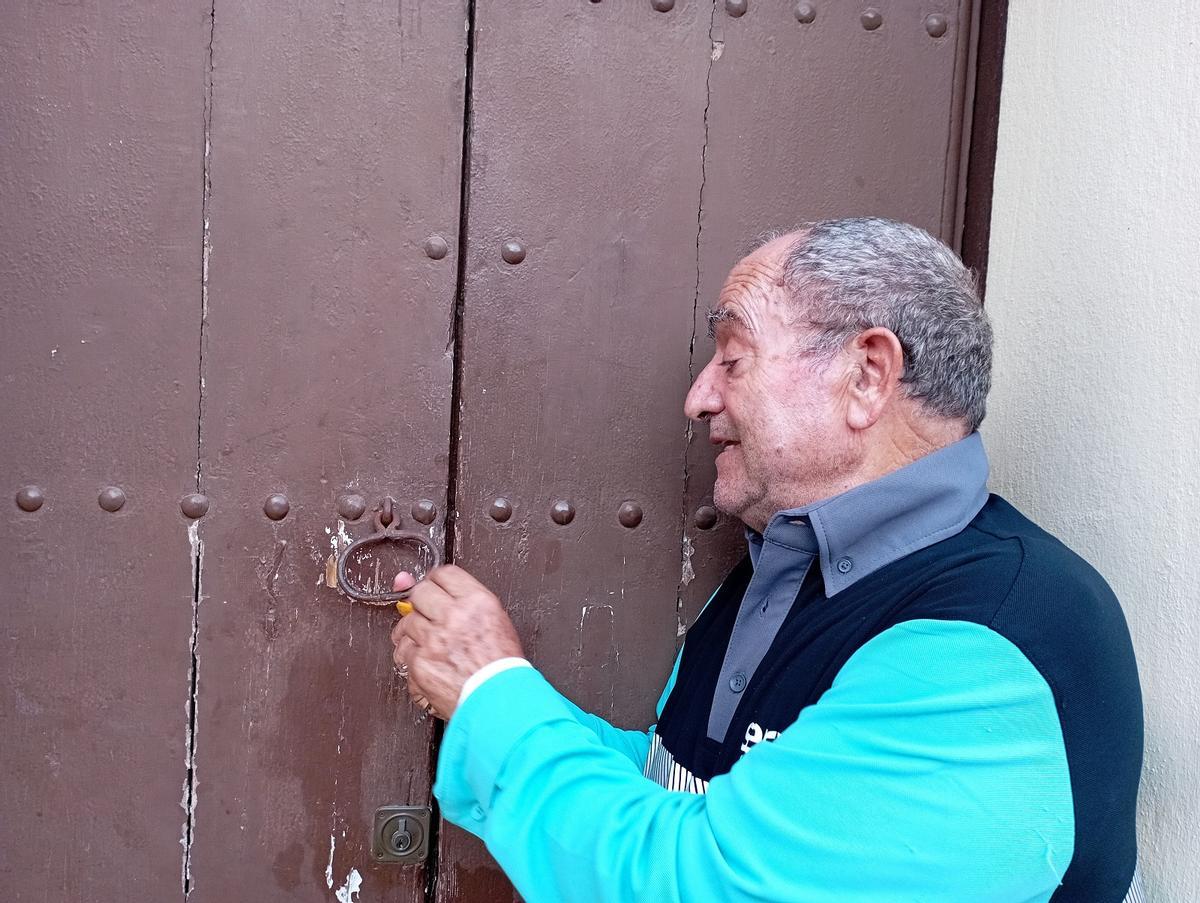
(933, 769)
(632, 744)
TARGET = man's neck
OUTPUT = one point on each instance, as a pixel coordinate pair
(900, 442)
(896, 445)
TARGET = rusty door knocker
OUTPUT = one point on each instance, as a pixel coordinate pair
(387, 530)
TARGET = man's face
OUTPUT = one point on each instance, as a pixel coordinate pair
(776, 412)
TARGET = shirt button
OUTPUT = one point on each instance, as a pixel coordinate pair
(477, 813)
(845, 565)
(737, 683)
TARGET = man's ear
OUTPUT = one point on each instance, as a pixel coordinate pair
(877, 360)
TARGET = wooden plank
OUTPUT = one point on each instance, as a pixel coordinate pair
(100, 162)
(335, 152)
(586, 149)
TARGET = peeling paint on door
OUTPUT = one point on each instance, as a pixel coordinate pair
(349, 891)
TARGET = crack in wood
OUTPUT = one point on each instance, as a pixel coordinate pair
(188, 802)
(686, 571)
(196, 545)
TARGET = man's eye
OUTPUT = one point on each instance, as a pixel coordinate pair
(728, 362)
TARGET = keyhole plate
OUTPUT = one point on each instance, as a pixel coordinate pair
(401, 834)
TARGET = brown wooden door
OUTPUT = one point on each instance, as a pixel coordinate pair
(235, 267)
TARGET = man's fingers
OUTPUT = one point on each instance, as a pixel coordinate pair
(413, 628)
(417, 628)
(429, 599)
(454, 580)
(414, 689)
(419, 697)
(402, 653)
(409, 633)
(404, 580)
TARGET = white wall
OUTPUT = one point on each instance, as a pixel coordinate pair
(1094, 290)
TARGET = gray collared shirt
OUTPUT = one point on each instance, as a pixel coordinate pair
(852, 535)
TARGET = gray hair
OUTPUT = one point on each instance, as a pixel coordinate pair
(849, 275)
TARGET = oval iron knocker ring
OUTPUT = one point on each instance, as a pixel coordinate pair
(424, 555)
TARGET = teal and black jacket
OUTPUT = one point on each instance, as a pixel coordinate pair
(906, 692)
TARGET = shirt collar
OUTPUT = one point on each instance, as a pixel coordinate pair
(870, 526)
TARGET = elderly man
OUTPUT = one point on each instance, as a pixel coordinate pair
(905, 691)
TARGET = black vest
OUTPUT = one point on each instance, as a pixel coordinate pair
(1003, 572)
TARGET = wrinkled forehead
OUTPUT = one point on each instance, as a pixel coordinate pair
(753, 295)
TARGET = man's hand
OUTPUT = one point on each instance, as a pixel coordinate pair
(457, 626)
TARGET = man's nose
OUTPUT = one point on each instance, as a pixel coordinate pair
(703, 399)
